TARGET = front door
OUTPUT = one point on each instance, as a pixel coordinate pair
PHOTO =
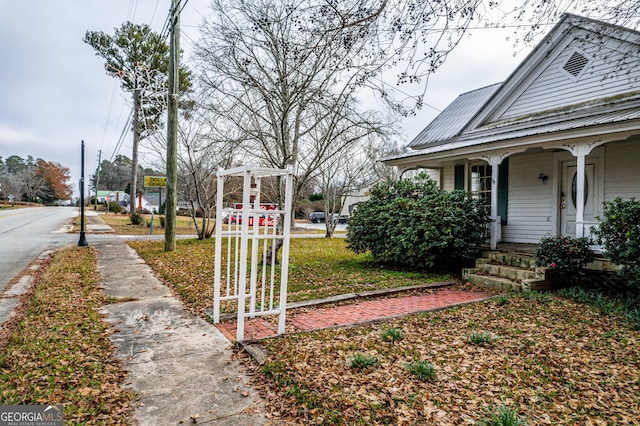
(568, 197)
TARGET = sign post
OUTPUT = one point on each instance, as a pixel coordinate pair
(156, 182)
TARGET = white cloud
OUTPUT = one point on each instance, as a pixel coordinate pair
(12, 137)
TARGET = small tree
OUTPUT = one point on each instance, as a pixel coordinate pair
(619, 232)
(412, 222)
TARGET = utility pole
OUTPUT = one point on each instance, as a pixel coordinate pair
(172, 130)
(95, 207)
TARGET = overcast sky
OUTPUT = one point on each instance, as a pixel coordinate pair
(54, 92)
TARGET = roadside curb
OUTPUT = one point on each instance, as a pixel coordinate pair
(10, 296)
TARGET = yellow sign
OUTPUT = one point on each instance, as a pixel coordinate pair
(155, 182)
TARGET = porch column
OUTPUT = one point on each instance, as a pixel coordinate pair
(580, 176)
(494, 161)
(580, 151)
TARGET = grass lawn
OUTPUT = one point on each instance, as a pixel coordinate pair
(57, 350)
(318, 267)
(121, 224)
(539, 358)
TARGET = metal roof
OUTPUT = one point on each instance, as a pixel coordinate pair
(553, 122)
(531, 127)
(455, 117)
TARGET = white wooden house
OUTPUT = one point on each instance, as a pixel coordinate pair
(547, 146)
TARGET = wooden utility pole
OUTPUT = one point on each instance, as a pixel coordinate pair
(172, 130)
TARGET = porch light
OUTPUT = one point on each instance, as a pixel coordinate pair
(544, 178)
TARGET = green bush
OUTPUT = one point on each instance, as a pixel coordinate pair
(413, 223)
(565, 256)
(114, 207)
(619, 232)
(136, 218)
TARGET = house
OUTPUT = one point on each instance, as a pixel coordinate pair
(109, 196)
(352, 198)
(545, 148)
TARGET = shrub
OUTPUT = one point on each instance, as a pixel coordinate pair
(114, 207)
(565, 256)
(619, 232)
(161, 221)
(413, 223)
(136, 218)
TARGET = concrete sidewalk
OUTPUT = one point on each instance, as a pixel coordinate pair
(180, 366)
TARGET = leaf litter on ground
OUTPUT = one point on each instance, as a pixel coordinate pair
(57, 349)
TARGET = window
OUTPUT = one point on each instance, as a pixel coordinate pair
(480, 187)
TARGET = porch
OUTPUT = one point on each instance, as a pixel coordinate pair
(511, 267)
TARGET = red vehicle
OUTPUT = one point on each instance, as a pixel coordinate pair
(264, 220)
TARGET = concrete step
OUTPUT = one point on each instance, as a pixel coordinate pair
(511, 272)
(510, 259)
(494, 282)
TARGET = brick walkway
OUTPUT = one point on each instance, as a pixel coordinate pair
(361, 312)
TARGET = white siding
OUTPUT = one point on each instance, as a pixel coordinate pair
(622, 170)
(448, 178)
(530, 202)
(609, 73)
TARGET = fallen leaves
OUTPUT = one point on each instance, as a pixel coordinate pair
(317, 268)
(59, 351)
(557, 362)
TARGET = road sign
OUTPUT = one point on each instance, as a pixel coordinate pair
(155, 182)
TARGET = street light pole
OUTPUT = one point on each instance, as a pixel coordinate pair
(83, 239)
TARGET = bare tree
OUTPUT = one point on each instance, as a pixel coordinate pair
(204, 148)
(347, 169)
(29, 184)
(284, 79)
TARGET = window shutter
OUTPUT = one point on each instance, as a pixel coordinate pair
(458, 180)
(503, 181)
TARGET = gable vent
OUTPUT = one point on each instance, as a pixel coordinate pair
(576, 63)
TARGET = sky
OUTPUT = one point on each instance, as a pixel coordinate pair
(54, 92)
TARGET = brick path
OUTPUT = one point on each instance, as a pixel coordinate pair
(361, 312)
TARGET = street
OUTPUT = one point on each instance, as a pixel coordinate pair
(27, 232)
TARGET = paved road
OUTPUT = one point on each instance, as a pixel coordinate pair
(25, 233)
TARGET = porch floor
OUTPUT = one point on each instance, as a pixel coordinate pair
(515, 248)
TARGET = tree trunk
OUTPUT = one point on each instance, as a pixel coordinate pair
(134, 157)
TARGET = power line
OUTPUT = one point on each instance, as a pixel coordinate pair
(122, 136)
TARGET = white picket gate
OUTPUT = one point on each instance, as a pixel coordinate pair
(252, 227)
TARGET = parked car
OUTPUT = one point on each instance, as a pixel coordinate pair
(343, 218)
(316, 217)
